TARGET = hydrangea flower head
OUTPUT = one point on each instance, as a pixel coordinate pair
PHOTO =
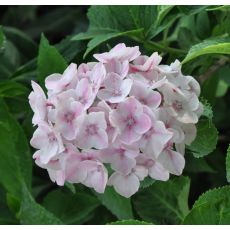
(115, 121)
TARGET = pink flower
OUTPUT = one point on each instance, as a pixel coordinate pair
(97, 76)
(145, 95)
(84, 93)
(154, 169)
(171, 124)
(150, 79)
(37, 100)
(119, 52)
(111, 131)
(181, 104)
(121, 158)
(86, 169)
(145, 63)
(130, 120)
(97, 175)
(171, 160)
(118, 67)
(92, 131)
(155, 139)
(68, 110)
(56, 83)
(116, 89)
(48, 141)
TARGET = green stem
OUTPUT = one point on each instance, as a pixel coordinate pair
(160, 47)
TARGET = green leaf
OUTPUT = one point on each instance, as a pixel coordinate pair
(222, 8)
(190, 10)
(207, 109)
(130, 222)
(9, 59)
(185, 37)
(163, 10)
(33, 213)
(211, 208)
(70, 208)
(26, 46)
(70, 187)
(6, 216)
(197, 165)
(138, 22)
(2, 38)
(49, 60)
(97, 40)
(206, 139)
(228, 164)
(118, 205)
(148, 181)
(15, 151)
(203, 25)
(222, 88)
(224, 73)
(164, 202)
(12, 89)
(214, 46)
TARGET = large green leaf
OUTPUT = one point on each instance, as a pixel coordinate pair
(228, 164)
(213, 46)
(130, 222)
(104, 37)
(139, 22)
(203, 25)
(206, 138)
(6, 216)
(9, 59)
(26, 46)
(118, 205)
(70, 208)
(33, 213)
(164, 202)
(49, 60)
(15, 151)
(211, 208)
(12, 89)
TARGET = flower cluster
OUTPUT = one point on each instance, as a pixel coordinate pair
(126, 112)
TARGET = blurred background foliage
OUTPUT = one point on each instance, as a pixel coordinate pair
(27, 195)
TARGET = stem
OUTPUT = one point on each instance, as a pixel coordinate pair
(160, 47)
(221, 62)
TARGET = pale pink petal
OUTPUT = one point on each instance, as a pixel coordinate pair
(190, 133)
(57, 176)
(52, 81)
(141, 172)
(48, 151)
(125, 185)
(143, 124)
(99, 141)
(180, 148)
(122, 164)
(158, 172)
(154, 99)
(97, 175)
(128, 136)
(172, 161)
(112, 81)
